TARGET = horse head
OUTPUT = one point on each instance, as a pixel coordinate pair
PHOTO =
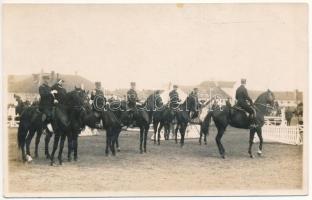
(266, 101)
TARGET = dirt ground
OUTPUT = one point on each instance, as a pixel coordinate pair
(164, 170)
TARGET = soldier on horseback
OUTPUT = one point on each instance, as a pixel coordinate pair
(174, 98)
(46, 101)
(60, 93)
(97, 96)
(244, 101)
(99, 101)
(132, 100)
(194, 95)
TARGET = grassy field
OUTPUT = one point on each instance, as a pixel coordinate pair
(164, 170)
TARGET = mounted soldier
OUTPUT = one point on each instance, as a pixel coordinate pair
(60, 94)
(197, 104)
(98, 98)
(244, 101)
(99, 101)
(46, 101)
(132, 100)
(174, 98)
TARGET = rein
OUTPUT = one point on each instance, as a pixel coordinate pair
(267, 106)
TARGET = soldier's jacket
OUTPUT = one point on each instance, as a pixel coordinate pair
(195, 96)
(242, 94)
(174, 96)
(174, 99)
(61, 93)
(46, 98)
(97, 93)
(100, 100)
(132, 96)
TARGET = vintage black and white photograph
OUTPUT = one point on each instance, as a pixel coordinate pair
(119, 100)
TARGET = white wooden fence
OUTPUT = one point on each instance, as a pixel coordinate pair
(11, 122)
(275, 129)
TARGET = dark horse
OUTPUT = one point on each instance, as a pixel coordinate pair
(121, 114)
(31, 122)
(182, 114)
(160, 115)
(64, 124)
(236, 117)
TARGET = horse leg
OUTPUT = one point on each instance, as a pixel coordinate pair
(28, 141)
(176, 134)
(111, 143)
(117, 142)
(75, 145)
(38, 136)
(159, 130)
(21, 138)
(218, 141)
(182, 132)
(155, 125)
(200, 136)
(70, 147)
(63, 137)
(251, 138)
(145, 138)
(47, 141)
(107, 142)
(205, 138)
(55, 144)
(141, 139)
(259, 133)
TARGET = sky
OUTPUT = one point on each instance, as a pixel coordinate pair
(157, 44)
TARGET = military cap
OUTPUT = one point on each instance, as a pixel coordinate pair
(243, 81)
(175, 86)
(132, 83)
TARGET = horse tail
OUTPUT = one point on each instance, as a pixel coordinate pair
(204, 127)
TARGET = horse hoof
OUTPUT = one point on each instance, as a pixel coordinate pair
(223, 156)
(205, 143)
(52, 163)
(144, 150)
(251, 156)
(28, 158)
(259, 153)
(118, 149)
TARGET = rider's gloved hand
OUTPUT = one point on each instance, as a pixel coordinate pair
(55, 101)
(54, 92)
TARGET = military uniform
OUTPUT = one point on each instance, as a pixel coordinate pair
(197, 105)
(97, 96)
(242, 97)
(60, 96)
(46, 100)
(174, 99)
(132, 98)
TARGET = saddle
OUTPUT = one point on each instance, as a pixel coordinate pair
(237, 107)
